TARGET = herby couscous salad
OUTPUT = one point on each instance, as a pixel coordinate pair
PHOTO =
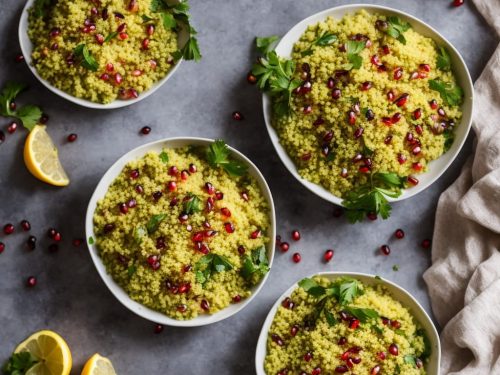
(184, 231)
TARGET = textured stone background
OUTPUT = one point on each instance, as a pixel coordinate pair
(70, 297)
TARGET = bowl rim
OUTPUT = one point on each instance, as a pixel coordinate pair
(406, 193)
(27, 47)
(261, 347)
(117, 291)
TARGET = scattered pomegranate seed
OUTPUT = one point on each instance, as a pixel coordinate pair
(398, 73)
(118, 78)
(77, 242)
(105, 76)
(381, 355)
(417, 114)
(412, 180)
(31, 242)
(358, 132)
(401, 159)
(158, 328)
(387, 120)
(19, 58)
(367, 85)
(396, 118)
(123, 36)
(308, 356)
(341, 369)
(237, 298)
(417, 166)
(256, 234)
(294, 330)
(441, 112)
(316, 371)
(336, 93)
(244, 196)
(139, 189)
(385, 249)
(425, 67)
(2, 247)
(8, 228)
(284, 246)
(229, 227)
(402, 100)
(123, 208)
(296, 257)
(237, 116)
(251, 79)
(241, 249)
(419, 363)
(328, 255)
(433, 104)
(399, 234)
(457, 3)
(287, 303)
(416, 150)
(426, 243)
(108, 228)
(388, 139)
(307, 109)
(277, 339)
(25, 224)
(99, 38)
(351, 115)
(12, 127)
(393, 349)
(375, 370)
(31, 281)
(145, 130)
(386, 49)
(2, 137)
(182, 308)
(371, 216)
(375, 60)
(414, 75)
(295, 235)
(72, 137)
(395, 324)
(354, 324)
(391, 96)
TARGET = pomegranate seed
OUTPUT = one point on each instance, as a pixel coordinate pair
(229, 227)
(375, 60)
(330, 83)
(209, 188)
(158, 328)
(2, 247)
(393, 349)
(99, 38)
(371, 216)
(433, 104)
(145, 44)
(354, 323)
(395, 118)
(2, 137)
(72, 137)
(25, 224)
(412, 180)
(399, 234)
(416, 150)
(401, 159)
(77, 242)
(308, 356)
(328, 255)
(241, 249)
(284, 246)
(419, 363)
(417, 114)
(336, 93)
(386, 49)
(307, 109)
(395, 324)
(381, 355)
(132, 203)
(157, 195)
(19, 58)
(123, 36)
(316, 371)
(294, 330)
(417, 166)
(31, 242)
(244, 196)
(295, 235)
(54, 46)
(357, 157)
(343, 173)
(287, 303)
(277, 339)
(387, 120)
(251, 79)
(123, 208)
(134, 174)
(307, 156)
(398, 73)
(388, 139)
(12, 127)
(457, 3)
(328, 136)
(145, 130)
(296, 257)
(341, 369)
(358, 133)
(364, 169)
(402, 100)
(425, 67)
(256, 234)
(118, 78)
(391, 96)
(173, 171)
(441, 112)
(55, 32)
(414, 75)
(31, 281)
(351, 115)
(139, 189)
(105, 76)
(108, 228)
(237, 116)
(225, 211)
(385, 249)
(367, 85)
(237, 298)
(356, 360)
(8, 229)
(375, 370)
(426, 243)
(182, 308)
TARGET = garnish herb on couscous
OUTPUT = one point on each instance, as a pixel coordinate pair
(184, 231)
(342, 326)
(363, 105)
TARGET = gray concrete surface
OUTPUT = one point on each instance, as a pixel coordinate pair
(71, 298)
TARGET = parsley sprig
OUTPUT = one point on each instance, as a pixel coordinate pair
(443, 60)
(154, 223)
(27, 114)
(255, 265)
(266, 44)
(219, 156)
(275, 76)
(323, 40)
(450, 93)
(172, 17)
(19, 363)
(353, 49)
(192, 204)
(371, 197)
(396, 28)
(85, 58)
(210, 264)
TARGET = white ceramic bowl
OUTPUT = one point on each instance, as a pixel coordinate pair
(436, 167)
(398, 293)
(118, 292)
(27, 49)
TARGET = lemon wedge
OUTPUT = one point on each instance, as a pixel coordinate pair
(50, 350)
(41, 158)
(98, 365)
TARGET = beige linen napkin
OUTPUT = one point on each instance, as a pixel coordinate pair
(464, 279)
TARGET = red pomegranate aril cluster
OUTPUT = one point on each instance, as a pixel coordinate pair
(229, 227)
(367, 85)
(401, 159)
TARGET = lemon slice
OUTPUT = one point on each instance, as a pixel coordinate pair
(41, 158)
(50, 350)
(97, 365)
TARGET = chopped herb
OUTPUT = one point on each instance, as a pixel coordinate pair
(208, 265)
(110, 36)
(324, 40)
(164, 157)
(192, 205)
(255, 264)
(155, 222)
(377, 329)
(449, 138)
(131, 270)
(411, 360)
(88, 61)
(395, 268)
(353, 48)
(266, 44)
(362, 314)
(400, 332)
(28, 114)
(450, 93)
(330, 318)
(275, 76)
(371, 198)
(169, 21)
(218, 156)
(139, 233)
(91, 240)
(19, 363)
(396, 28)
(147, 19)
(40, 7)
(443, 60)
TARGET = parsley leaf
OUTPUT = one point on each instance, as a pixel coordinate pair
(362, 314)
(88, 61)
(344, 290)
(266, 44)
(330, 319)
(411, 360)
(208, 265)
(218, 155)
(353, 48)
(323, 40)
(169, 21)
(443, 60)
(110, 36)
(192, 205)
(154, 222)
(139, 233)
(28, 114)
(255, 264)
(449, 138)
(131, 270)
(450, 93)
(396, 28)
(19, 363)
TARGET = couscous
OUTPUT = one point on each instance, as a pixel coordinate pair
(344, 326)
(108, 49)
(361, 95)
(184, 231)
